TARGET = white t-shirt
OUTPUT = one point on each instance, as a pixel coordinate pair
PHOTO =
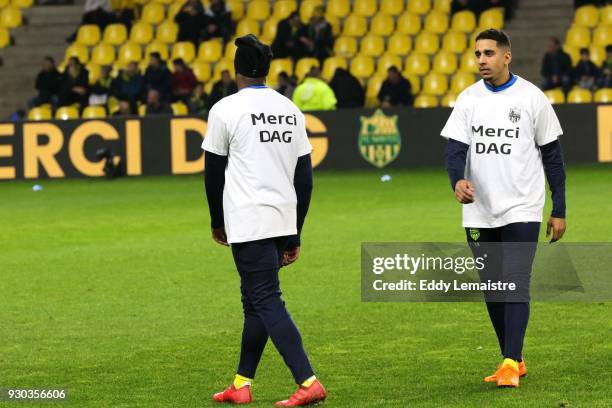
(503, 128)
(263, 133)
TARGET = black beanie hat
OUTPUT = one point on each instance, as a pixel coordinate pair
(252, 57)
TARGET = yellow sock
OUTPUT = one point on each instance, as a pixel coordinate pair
(308, 382)
(240, 381)
(512, 363)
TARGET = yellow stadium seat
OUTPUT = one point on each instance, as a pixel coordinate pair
(94, 73)
(230, 50)
(153, 13)
(77, 50)
(366, 8)
(247, 26)
(448, 100)
(269, 31)
(362, 66)
(598, 54)
(399, 44)
(464, 21)
(174, 9)
(415, 82)
(408, 24)
(331, 64)
(338, 8)
(469, 63)
(580, 95)
(210, 51)
(94, 112)
(282, 8)
(40, 114)
(425, 101)
(382, 24)
(221, 66)
(167, 32)
(417, 64)
(345, 46)
(443, 6)
(303, 67)
(88, 34)
(22, 3)
(166, 2)
(491, 18)
(141, 33)
(67, 112)
(142, 109)
(454, 41)
(573, 52)
(10, 17)
(237, 7)
(555, 96)
(184, 50)
(602, 36)
(103, 54)
(578, 37)
(427, 43)
(258, 10)
(603, 95)
(115, 34)
(605, 15)
(586, 16)
(336, 25)
(386, 61)
(460, 81)
(5, 37)
(391, 7)
(129, 52)
(372, 90)
(4, 3)
(445, 63)
(436, 22)
(435, 84)
(372, 45)
(276, 67)
(155, 46)
(307, 7)
(473, 39)
(201, 70)
(355, 26)
(419, 6)
(179, 109)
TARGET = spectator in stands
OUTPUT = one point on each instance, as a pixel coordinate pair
(474, 6)
(126, 108)
(314, 94)
(348, 89)
(585, 73)
(287, 41)
(556, 67)
(124, 12)
(191, 20)
(183, 81)
(219, 23)
(605, 80)
(157, 76)
(102, 89)
(47, 84)
(226, 86)
(317, 38)
(74, 84)
(129, 84)
(286, 86)
(97, 12)
(198, 104)
(395, 90)
(155, 105)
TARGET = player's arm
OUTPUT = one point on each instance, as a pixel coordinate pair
(214, 181)
(456, 156)
(302, 182)
(554, 168)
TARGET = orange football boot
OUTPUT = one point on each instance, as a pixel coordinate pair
(508, 376)
(493, 377)
(305, 396)
(234, 395)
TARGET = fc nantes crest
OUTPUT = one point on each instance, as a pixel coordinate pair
(379, 138)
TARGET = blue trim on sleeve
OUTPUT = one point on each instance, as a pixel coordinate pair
(506, 85)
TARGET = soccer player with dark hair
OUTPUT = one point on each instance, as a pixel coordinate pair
(258, 183)
(502, 142)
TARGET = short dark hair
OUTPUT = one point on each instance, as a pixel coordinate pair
(555, 40)
(179, 61)
(393, 68)
(499, 36)
(609, 48)
(155, 55)
(585, 51)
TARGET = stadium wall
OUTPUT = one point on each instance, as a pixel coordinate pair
(345, 139)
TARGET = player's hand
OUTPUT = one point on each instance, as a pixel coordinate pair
(291, 255)
(464, 191)
(557, 226)
(219, 236)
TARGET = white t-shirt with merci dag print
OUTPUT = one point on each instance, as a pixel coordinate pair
(503, 127)
(263, 133)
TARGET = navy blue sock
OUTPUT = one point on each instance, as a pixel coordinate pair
(516, 317)
(496, 314)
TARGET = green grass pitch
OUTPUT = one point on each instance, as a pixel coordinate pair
(115, 291)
